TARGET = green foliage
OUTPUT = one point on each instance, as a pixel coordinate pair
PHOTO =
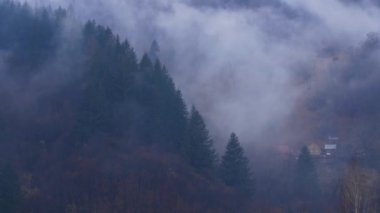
(10, 197)
(234, 168)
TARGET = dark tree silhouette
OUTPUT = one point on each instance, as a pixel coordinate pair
(234, 168)
(154, 50)
(198, 147)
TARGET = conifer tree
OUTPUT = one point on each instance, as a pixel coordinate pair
(146, 64)
(170, 113)
(235, 169)
(179, 120)
(198, 146)
(154, 50)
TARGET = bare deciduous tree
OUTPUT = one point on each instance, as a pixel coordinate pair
(358, 190)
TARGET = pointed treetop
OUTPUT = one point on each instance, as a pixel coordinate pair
(158, 66)
(146, 62)
(198, 144)
(155, 47)
(235, 169)
(154, 50)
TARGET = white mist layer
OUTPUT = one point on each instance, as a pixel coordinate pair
(236, 65)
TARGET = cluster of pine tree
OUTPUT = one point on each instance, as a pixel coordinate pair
(30, 33)
(109, 98)
(111, 94)
(165, 121)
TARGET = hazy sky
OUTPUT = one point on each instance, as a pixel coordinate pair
(236, 64)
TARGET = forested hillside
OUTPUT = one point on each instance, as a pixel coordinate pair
(89, 125)
(86, 126)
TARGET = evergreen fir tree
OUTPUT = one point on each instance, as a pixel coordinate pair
(146, 65)
(198, 147)
(179, 120)
(154, 50)
(170, 113)
(235, 169)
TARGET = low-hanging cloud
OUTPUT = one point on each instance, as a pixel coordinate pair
(236, 64)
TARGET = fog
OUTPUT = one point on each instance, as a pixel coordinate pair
(239, 64)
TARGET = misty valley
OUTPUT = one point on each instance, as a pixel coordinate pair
(189, 106)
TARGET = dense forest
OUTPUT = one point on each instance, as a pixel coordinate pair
(86, 125)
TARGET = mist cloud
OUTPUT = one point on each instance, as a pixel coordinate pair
(238, 65)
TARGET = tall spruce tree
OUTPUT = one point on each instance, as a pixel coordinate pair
(234, 168)
(98, 92)
(170, 113)
(198, 146)
(306, 178)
